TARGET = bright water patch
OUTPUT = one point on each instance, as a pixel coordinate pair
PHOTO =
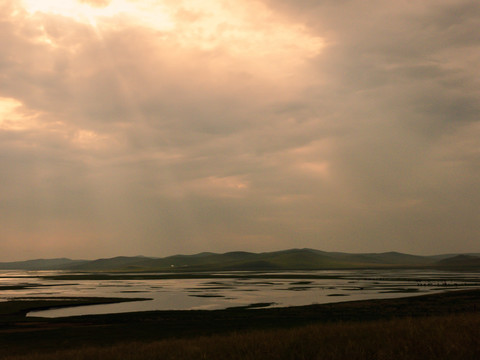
(230, 289)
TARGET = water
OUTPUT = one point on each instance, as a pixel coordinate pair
(228, 289)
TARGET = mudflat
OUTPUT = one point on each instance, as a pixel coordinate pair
(22, 335)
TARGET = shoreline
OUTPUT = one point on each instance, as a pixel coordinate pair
(20, 334)
(20, 307)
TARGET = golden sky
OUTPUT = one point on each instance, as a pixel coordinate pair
(162, 127)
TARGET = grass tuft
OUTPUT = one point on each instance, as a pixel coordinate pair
(438, 337)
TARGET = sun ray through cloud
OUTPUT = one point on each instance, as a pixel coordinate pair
(217, 124)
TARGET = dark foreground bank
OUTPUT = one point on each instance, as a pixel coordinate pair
(423, 326)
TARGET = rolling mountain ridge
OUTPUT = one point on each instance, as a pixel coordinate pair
(293, 259)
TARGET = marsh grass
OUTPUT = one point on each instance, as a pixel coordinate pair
(436, 337)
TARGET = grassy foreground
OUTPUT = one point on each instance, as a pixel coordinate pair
(438, 337)
(434, 326)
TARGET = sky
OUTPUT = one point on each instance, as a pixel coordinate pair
(159, 127)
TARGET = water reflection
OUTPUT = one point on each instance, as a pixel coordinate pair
(230, 289)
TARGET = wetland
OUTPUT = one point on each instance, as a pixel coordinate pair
(220, 290)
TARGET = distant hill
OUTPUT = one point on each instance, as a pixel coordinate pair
(293, 259)
(459, 261)
(41, 264)
(119, 262)
(385, 259)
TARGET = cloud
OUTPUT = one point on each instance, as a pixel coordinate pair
(406, 87)
(255, 125)
(96, 3)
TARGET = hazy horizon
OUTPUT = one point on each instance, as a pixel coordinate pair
(238, 250)
(170, 127)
